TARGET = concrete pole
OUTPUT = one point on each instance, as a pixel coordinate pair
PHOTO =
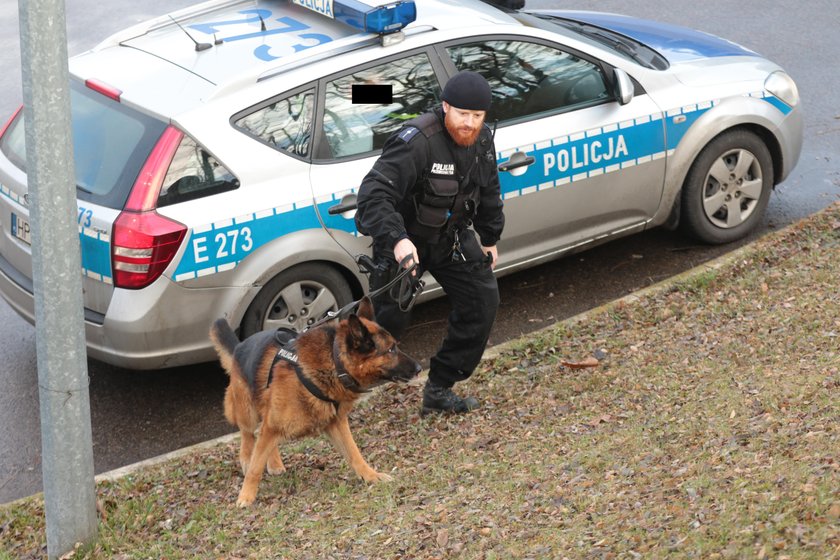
(66, 441)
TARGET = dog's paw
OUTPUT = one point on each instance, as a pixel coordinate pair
(245, 500)
(276, 470)
(275, 463)
(378, 477)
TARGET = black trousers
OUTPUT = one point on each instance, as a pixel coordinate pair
(473, 295)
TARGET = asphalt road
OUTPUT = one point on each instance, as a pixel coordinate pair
(139, 415)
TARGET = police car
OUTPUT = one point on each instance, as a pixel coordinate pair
(218, 151)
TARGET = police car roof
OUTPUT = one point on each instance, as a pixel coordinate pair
(158, 67)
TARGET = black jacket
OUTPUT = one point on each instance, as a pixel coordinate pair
(387, 199)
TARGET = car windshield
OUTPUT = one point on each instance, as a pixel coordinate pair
(625, 46)
(110, 144)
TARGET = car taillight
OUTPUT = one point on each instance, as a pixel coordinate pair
(142, 246)
(9, 122)
(144, 193)
(143, 242)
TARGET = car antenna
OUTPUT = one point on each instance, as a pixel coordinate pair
(198, 46)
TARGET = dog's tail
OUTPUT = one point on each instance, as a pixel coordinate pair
(224, 340)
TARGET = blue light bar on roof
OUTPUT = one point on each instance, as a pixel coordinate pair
(371, 16)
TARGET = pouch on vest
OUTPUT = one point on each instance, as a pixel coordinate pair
(433, 205)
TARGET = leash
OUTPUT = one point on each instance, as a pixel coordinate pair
(408, 291)
(286, 338)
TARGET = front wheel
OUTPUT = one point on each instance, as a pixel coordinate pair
(727, 188)
(296, 298)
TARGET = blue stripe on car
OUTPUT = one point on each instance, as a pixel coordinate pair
(585, 154)
(222, 245)
(778, 104)
(675, 128)
(96, 255)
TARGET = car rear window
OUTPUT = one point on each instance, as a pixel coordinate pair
(284, 124)
(110, 144)
(194, 173)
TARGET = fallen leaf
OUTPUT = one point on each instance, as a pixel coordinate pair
(834, 510)
(604, 418)
(587, 363)
(442, 538)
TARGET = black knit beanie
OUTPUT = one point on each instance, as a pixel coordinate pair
(468, 90)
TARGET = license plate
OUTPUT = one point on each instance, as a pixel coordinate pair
(21, 229)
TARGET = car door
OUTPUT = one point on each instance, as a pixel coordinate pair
(575, 165)
(359, 109)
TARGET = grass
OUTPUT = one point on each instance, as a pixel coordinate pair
(707, 428)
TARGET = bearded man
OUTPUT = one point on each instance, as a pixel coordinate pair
(434, 188)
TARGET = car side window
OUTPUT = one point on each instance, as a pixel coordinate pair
(194, 173)
(530, 78)
(284, 124)
(355, 127)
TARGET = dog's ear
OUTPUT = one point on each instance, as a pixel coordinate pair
(358, 335)
(366, 309)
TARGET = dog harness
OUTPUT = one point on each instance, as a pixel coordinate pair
(287, 353)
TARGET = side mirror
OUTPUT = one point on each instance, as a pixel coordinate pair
(623, 88)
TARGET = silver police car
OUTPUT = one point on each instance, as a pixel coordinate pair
(218, 151)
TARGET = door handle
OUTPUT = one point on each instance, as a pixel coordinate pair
(510, 164)
(347, 204)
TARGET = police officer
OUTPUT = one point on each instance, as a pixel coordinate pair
(436, 177)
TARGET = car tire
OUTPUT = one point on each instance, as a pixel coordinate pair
(727, 188)
(296, 299)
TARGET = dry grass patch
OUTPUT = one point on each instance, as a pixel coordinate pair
(700, 421)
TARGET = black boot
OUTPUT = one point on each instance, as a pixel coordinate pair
(438, 398)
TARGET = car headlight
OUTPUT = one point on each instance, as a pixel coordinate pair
(782, 86)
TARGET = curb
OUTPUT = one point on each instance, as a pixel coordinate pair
(120, 472)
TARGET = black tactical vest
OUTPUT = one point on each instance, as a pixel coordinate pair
(444, 200)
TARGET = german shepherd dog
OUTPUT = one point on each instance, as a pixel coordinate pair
(307, 390)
